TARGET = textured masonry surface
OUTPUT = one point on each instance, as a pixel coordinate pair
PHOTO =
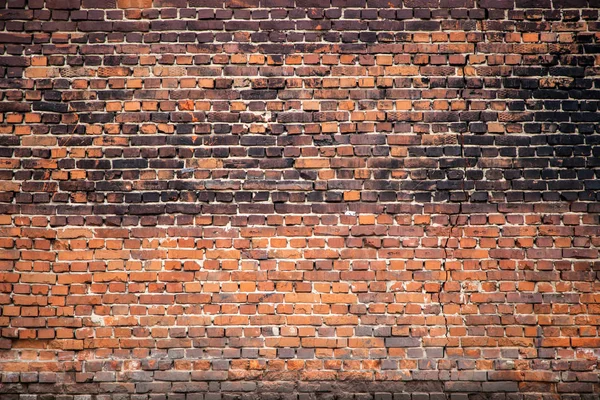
(299, 199)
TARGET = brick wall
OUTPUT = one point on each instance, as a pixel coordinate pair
(299, 199)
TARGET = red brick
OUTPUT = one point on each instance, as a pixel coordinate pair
(384, 197)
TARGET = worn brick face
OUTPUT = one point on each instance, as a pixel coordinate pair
(299, 199)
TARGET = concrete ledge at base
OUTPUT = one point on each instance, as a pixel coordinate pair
(300, 390)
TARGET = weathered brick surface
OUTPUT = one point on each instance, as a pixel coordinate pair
(299, 199)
